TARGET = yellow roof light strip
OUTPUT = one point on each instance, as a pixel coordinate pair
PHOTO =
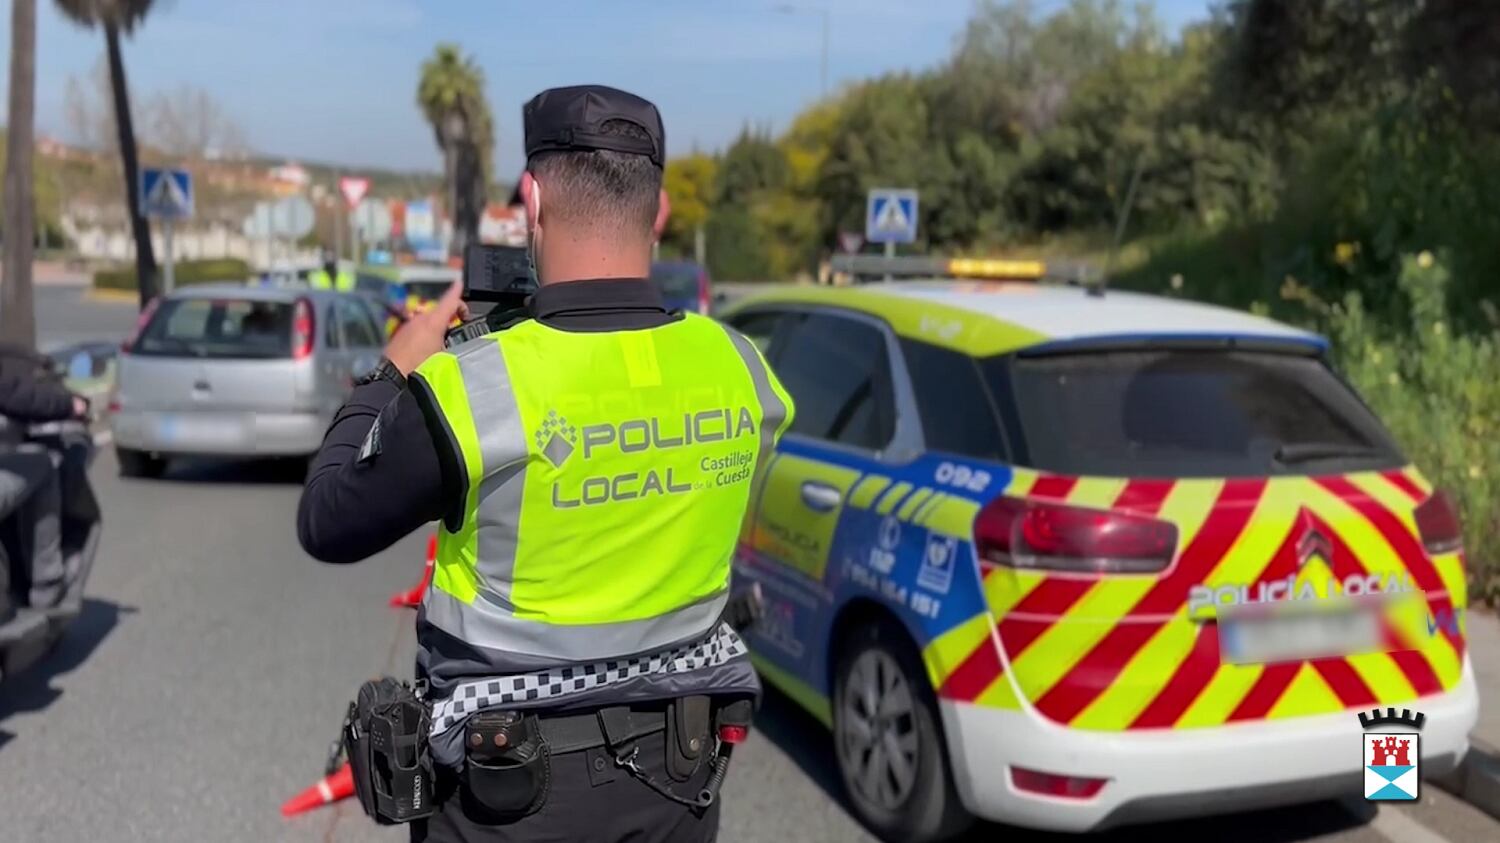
(1007, 270)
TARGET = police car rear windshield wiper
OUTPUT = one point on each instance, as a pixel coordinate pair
(1290, 453)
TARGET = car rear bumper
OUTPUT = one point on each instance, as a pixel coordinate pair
(215, 433)
(1181, 773)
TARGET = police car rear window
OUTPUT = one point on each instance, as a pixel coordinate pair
(222, 328)
(1185, 413)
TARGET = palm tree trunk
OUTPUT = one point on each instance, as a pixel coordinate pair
(17, 310)
(145, 256)
(451, 172)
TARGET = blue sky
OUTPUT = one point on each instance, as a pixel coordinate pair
(335, 80)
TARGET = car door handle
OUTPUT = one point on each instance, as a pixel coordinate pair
(819, 497)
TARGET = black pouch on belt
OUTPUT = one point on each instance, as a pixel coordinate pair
(689, 739)
(385, 737)
(507, 766)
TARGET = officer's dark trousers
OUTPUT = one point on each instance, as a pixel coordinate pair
(585, 804)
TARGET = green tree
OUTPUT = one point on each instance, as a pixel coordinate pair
(116, 17)
(451, 96)
(882, 141)
(689, 182)
(751, 165)
(17, 310)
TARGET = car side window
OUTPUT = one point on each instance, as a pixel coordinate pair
(953, 402)
(358, 332)
(333, 336)
(838, 372)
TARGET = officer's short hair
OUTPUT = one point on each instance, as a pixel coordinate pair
(601, 188)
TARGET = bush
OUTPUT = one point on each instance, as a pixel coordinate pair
(183, 273)
(1437, 391)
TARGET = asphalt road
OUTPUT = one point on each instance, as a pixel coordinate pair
(64, 315)
(202, 685)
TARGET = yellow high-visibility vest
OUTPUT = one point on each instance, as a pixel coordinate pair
(604, 478)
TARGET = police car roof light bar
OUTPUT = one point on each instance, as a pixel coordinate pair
(866, 268)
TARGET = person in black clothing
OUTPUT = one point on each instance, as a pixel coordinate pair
(30, 487)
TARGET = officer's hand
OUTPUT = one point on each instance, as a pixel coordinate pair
(422, 335)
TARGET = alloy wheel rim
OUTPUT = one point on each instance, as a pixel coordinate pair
(877, 731)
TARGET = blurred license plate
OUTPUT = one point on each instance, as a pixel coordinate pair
(168, 428)
(1293, 637)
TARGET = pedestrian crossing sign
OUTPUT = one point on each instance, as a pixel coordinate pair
(166, 194)
(891, 216)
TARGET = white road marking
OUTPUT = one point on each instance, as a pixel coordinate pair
(1397, 826)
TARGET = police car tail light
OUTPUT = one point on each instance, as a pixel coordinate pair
(1438, 524)
(1051, 784)
(141, 322)
(303, 329)
(1042, 535)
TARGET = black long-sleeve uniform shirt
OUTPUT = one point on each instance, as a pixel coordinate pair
(353, 508)
(28, 391)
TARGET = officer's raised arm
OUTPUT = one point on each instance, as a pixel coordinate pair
(377, 476)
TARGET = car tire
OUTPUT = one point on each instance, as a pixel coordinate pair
(139, 463)
(923, 805)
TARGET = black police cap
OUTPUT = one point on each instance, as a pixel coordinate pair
(571, 120)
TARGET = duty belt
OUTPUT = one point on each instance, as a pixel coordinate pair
(527, 689)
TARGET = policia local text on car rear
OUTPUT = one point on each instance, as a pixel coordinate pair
(587, 465)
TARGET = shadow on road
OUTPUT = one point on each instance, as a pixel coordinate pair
(803, 739)
(810, 747)
(32, 689)
(254, 472)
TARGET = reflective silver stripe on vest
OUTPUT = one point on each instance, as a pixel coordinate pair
(471, 697)
(490, 624)
(772, 410)
(502, 456)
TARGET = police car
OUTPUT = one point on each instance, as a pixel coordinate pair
(1032, 551)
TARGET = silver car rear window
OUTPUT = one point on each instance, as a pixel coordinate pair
(218, 328)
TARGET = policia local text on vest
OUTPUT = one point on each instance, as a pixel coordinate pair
(591, 468)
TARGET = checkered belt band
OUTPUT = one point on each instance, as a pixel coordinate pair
(717, 648)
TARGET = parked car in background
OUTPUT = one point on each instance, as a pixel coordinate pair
(411, 286)
(238, 371)
(685, 285)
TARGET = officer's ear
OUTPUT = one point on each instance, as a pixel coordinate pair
(531, 196)
(663, 210)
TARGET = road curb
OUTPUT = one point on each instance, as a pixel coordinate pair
(1477, 780)
(98, 294)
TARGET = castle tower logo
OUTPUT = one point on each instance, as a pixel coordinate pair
(1392, 758)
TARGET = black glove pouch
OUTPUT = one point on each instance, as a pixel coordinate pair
(386, 740)
(507, 767)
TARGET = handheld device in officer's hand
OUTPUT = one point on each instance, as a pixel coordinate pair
(500, 276)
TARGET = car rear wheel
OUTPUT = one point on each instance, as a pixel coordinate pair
(139, 463)
(889, 745)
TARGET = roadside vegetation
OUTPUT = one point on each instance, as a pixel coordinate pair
(1327, 162)
(184, 273)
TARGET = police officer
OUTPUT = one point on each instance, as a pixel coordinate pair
(330, 276)
(591, 467)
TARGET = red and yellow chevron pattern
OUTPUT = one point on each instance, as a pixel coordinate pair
(1117, 653)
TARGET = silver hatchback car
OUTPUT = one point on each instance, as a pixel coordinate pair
(238, 371)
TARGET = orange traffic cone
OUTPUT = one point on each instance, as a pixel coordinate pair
(413, 597)
(332, 788)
